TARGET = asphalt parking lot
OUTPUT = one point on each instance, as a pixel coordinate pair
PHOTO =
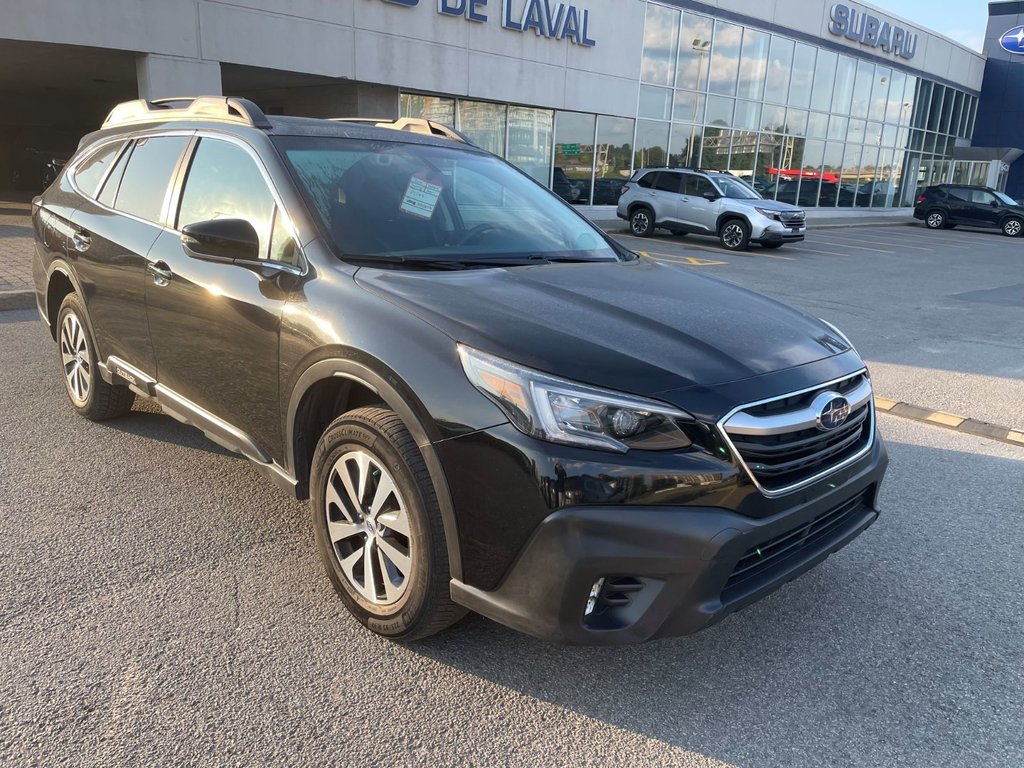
(161, 603)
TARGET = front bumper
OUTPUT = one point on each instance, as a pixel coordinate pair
(778, 233)
(669, 571)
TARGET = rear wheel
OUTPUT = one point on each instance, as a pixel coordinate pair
(935, 220)
(90, 395)
(378, 526)
(1012, 227)
(735, 235)
(641, 222)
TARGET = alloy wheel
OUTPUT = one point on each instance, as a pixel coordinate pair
(368, 527)
(640, 222)
(1012, 227)
(74, 355)
(935, 220)
(732, 236)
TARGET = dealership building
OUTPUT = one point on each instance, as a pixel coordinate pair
(825, 104)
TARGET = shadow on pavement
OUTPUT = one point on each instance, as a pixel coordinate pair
(148, 421)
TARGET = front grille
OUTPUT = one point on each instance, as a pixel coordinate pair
(761, 562)
(781, 446)
(792, 219)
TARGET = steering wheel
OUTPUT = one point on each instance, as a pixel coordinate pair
(476, 231)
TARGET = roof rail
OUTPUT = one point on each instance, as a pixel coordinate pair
(411, 125)
(195, 108)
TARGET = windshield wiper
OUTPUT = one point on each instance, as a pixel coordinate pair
(432, 262)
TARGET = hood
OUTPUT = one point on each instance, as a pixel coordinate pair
(771, 205)
(641, 327)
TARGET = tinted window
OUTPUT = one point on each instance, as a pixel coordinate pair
(224, 183)
(648, 180)
(982, 196)
(282, 244)
(89, 173)
(668, 182)
(698, 185)
(114, 179)
(145, 180)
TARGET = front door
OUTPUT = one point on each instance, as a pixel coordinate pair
(695, 210)
(984, 209)
(215, 325)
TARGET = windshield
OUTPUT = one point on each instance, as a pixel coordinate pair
(413, 202)
(1004, 198)
(733, 187)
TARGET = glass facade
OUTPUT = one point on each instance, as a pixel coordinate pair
(801, 123)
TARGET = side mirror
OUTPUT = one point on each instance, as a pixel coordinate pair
(221, 240)
(994, 203)
(710, 196)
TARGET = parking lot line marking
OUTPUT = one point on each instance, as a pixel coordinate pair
(856, 247)
(776, 256)
(891, 242)
(693, 261)
(816, 251)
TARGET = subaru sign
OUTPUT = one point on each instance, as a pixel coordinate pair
(866, 29)
(1013, 40)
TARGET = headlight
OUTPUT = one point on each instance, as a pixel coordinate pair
(576, 414)
(769, 214)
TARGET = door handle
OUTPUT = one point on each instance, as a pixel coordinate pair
(82, 240)
(160, 271)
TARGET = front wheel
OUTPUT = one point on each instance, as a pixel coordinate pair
(1012, 227)
(90, 395)
(935, 220)
(641, 222)
(378, 526)
(735, 235)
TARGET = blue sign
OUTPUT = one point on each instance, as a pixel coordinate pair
(1013, 40)
(545, 18)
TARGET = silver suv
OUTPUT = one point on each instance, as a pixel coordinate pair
(683, 200)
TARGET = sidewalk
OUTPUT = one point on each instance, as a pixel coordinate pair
(15, 253)
(817, 218)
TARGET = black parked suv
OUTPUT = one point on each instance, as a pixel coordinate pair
(946, 205)
(490, 404)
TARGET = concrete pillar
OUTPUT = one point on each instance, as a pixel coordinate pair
(166, 76)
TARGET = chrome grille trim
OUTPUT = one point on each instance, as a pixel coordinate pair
(796, 425)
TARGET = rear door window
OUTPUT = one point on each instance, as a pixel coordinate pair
(89, 173)
(145, 181)
(647, 181)
(668, 182)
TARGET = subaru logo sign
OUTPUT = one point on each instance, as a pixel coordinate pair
(1013, 40)
(832, 410)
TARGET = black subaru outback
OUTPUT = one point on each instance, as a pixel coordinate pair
(490, 404)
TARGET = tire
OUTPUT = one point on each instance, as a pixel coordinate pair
(771, 246)
(641, 222)
(405, 594)
(1012, 227)
(734, 235)
(89, 394)
(935, 220)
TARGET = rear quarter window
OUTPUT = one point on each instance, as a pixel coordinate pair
(89, 172)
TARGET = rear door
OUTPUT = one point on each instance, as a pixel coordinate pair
(112, 232)
(956, 201)
(666, 190)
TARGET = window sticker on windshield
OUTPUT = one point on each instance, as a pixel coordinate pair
(420, 197)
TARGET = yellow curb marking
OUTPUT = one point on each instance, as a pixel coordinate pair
(1016, 435)
(679, 259)
(938, 417)
(884, 403)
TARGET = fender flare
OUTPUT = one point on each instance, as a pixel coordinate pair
(59, 265)
(371, 379)
(723, 217)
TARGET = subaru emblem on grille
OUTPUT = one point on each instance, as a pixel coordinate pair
(833, 412)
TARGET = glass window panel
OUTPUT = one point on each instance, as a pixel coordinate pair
(744, 154)
(916, 139)
(614, 157)
(824, 78)
(856, 132)
(831, 175)
(802, 80)
(873, 134)
(884, 193)
(817, 125)
(89, 173)
(862, 89)
(651, 144)
(224, 182)
(434, 108)
(867, 179)
(574, 156)
(810, 174)
(661, 39)
(782, 163)
(684, 146)
(725, 57)
(947, 110)
(957, 114)
(935, 107)
(889, 133)
(894, 104)
(753, 64)
(905, 177)
(921, 100)
(902, 137)
(796, 122)
(719, 111)
(282, 244)
(694, 52)
(113, 181)
(974, 114)
(880, 93)
(484, 123)
(529, 141)
(837, 127)
(715, 149)
(780, 66)
(655, 102)
(930, 141)
(773, 118)
(842, 92)
(145, 180)
(766, 168)
(748, 115)
(689, 107)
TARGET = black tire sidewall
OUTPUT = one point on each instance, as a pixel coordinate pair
(345, 434)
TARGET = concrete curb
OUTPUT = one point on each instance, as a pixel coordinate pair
(10, 300)
(951, 421)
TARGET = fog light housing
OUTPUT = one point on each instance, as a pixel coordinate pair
(595, 592)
